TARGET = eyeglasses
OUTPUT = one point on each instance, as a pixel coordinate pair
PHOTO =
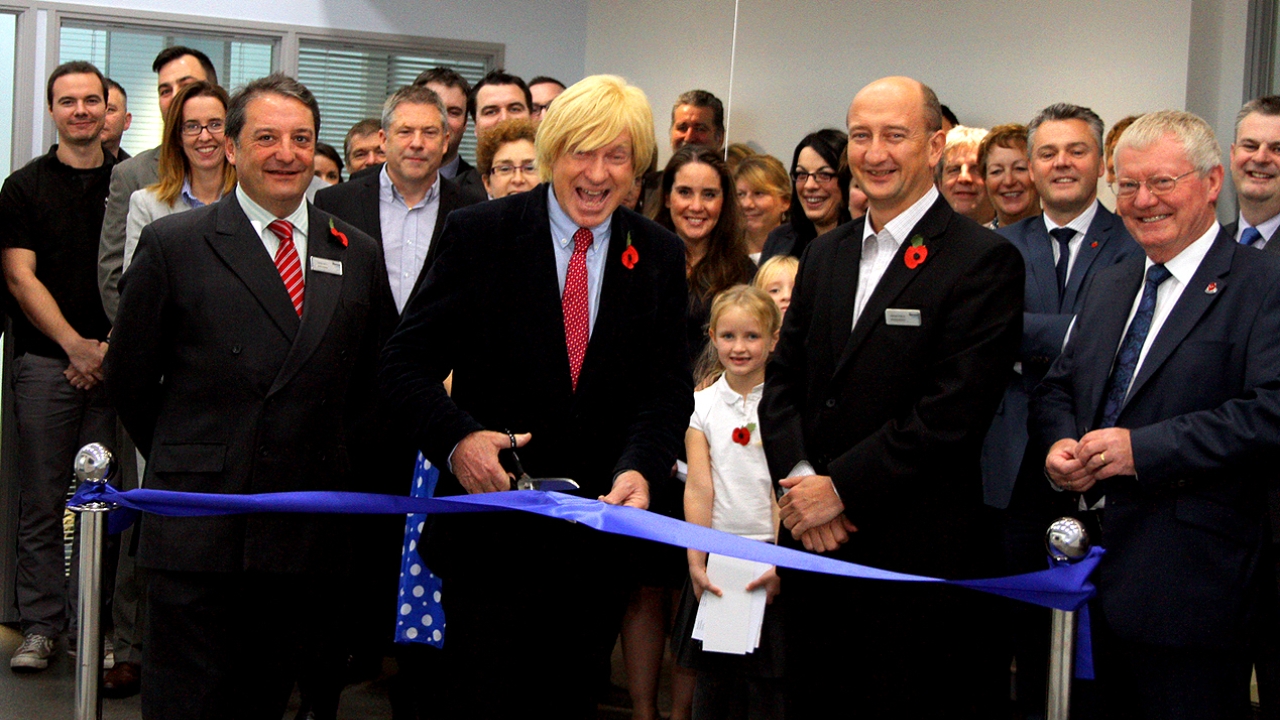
(1158, 185)
(192, 128)
(539, 108)
(822, 177)
(509, 170)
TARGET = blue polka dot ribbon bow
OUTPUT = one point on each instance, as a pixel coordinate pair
(420, 617)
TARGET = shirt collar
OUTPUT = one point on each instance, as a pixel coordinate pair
(1079, 223)
(563, 227)
(261, 217)
(387, 191)
(906, 220)
(189, 197)
(1267, 228)
(1185, 264)
(730, 396)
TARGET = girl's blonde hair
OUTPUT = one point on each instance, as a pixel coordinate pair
(757, 303)
(775, 267)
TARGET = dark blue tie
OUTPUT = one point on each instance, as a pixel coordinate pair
(1250, 236)
(1131, 347)
(1063, 236)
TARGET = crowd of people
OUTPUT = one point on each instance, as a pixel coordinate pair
(912, 347)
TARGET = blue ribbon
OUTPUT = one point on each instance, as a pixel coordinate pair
(1065, 587)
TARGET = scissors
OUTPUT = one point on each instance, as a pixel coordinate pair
(524, 482)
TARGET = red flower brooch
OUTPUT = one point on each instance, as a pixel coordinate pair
(630, 256)
(742, 435)
(337, 233)
(916, 254)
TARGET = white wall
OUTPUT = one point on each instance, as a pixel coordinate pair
(1215, 75)
(546, 37)
(992, 61)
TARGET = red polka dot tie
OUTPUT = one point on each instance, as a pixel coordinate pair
(287, 262)
(577, 319)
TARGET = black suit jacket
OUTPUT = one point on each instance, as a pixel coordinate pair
(1184, 535)
(490, 311)
(470, 184)
(1044, 328)
(894, 414)
(225, 389)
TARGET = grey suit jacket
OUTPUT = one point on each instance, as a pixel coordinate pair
(127, 177)
(1044, 329)
(144, 209)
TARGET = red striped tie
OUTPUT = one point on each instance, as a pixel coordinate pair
(287, 262)
(577, 317)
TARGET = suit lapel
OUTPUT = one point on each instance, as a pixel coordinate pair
(1040, 263)
(844, 288)
(1192, 305)
(370, 205)
(1095, 240)
(241, 249)
(448, 203)
(320, 297)
(537, 290)
(615, 295)
(897, 277)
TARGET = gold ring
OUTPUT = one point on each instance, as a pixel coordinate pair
(1103, 456)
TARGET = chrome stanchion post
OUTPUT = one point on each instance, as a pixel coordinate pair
(95, 464)
(1066, 541)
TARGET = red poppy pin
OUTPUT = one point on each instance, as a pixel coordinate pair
(742, 435)
(1212, 289)
(337, 233)
(916, 254)
(1093, 244)
(630, 256)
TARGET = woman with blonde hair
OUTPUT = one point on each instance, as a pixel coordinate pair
(764, 194)
(194, 171)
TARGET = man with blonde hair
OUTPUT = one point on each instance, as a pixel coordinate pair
(560, 314)
(1166, 399)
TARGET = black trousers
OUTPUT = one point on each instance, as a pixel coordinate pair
(223, 646)
(888, 650)
(532, 608)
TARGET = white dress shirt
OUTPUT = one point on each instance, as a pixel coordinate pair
(260, 218)
(406, 234)
(1080, 224)
(880, 248)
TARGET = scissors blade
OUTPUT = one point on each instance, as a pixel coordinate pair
(547, 484)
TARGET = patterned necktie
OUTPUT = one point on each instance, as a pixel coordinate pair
(1063, 236)
(577, 320)
(1250, 236)
(287, 262)
(1131, 347)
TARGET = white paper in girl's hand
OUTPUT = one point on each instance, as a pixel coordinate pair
(731, 623)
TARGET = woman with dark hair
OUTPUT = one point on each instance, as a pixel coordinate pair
(328, 164)
(819, 198)
(700, 205)
(193, 161)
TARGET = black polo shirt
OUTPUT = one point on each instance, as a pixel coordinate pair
(56, 211)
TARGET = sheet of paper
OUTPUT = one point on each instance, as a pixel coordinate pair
(731, 623)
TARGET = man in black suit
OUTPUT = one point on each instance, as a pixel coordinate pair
(1075, 237)
(453, 90)
(402, 206)
(1179, 427)
(1255, 171)
(498, 96)
(560, 315)
(886, 376)
(237, 373)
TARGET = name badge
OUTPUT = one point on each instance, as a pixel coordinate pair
(334, 267)
(902, 317)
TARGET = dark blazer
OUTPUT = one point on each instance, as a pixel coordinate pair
(490, 311)
(225, 389)
(356, 201)
(1232, 228)
(470, 184)
(1045, 320)
(896, 415)
(1184, 536)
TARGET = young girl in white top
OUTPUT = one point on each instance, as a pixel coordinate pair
(729, 489)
